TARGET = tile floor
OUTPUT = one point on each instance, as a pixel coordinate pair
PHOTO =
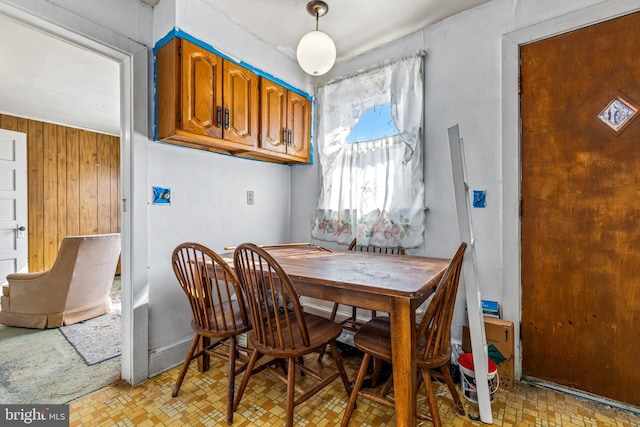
(202, 402)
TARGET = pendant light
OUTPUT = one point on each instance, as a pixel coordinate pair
(316, 51)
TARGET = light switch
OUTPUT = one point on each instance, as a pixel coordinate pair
(249, 197)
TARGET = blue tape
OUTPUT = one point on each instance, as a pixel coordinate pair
(177, 33)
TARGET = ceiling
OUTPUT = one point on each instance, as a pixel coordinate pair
(47, 79)
(356, 26)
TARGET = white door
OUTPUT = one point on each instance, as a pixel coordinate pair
(13, 203)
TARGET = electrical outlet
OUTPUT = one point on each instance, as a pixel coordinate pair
(479, 198)
(249, 197)
(161, 196)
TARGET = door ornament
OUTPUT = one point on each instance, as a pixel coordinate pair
(618, 114)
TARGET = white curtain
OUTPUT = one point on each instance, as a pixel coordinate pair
(372, 190)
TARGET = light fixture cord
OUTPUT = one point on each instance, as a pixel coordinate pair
(317, 18)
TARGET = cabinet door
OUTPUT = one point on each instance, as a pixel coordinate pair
(299, 125)
(201, 90)
(240, 105)
(273, 103)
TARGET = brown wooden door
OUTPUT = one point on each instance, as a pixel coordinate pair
(201, 90)
(298, 121)
(240, 104)
(273, 110)
(581, 211)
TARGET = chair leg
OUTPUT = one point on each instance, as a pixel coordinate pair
(245, 378)
(321, 353)
(431, 398)
(377, 367)
(387, 387)
(205, 361)
(231, 378)
(338, 361)
(291, 382)
(334, 312)
(356, 388)
(446, 375)
(332, 317)
(185, 365)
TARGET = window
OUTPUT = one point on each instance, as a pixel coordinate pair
(375, 123)
(370, 152)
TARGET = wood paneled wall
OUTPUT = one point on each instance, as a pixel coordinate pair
(73, 180)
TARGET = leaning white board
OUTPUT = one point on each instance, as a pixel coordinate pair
(470, 274)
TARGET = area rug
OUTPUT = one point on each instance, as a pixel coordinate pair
(95, 340)
(38, 366)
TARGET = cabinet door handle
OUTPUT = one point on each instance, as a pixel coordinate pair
(219, 117)
(284, 136)
(289, 136)
(226, 119)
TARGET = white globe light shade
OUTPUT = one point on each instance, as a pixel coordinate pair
(316, 53)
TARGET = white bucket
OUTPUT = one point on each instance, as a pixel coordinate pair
(468, 378)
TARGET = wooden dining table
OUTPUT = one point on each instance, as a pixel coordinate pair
(387, 283)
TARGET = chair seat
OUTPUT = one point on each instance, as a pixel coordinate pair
(374, 337)
(321, 332)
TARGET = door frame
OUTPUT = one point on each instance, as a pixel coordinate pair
(133, 59)
(511, 286)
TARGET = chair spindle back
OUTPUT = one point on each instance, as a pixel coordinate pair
(434, 331)
(353, 246)
(276, 314)
(212, 288)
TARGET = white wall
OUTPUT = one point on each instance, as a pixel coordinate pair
(105, 23)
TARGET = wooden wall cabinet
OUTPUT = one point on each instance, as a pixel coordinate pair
(205, 100)
(285, 118)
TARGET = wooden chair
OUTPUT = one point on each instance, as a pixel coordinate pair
(351, 323)
(219, 311)
(433, 356)
(281, 329)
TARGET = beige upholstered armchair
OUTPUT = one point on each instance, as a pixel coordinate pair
(76, 288)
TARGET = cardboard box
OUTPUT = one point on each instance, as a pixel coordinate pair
(499, 333)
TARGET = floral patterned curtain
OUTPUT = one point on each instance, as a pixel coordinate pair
(372, 190)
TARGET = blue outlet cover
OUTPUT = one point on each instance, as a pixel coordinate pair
(479, 199)
(161, 196)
